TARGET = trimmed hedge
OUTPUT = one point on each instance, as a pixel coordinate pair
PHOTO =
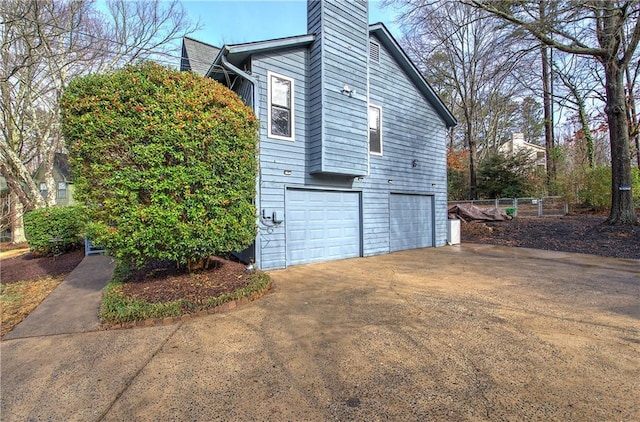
(166, 162)
(54, 229)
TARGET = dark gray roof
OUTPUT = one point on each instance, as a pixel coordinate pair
(238, 53)
(61, 162)
(197, 56)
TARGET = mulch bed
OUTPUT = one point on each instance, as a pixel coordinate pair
(573, 233)
(30, 267)
(164, 282)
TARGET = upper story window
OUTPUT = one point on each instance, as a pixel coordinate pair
(62, 190)
(375, 129)
(281, 110)
(374, 52)
(43, 190)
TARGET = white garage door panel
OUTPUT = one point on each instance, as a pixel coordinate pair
(322, 225)
(411, 221)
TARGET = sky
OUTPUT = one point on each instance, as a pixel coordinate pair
(240, 21)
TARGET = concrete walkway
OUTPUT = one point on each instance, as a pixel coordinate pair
(74, 306)
(458, 333)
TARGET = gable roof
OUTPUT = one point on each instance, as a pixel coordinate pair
(60, 165)
(197, 56)
(236, 54)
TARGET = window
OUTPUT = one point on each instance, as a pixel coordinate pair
(540, 155)
(375, 130)
(62, 190)
(43, 190)
(374, 52)
(281, 116)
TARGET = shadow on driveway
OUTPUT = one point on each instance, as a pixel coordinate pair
(457, 333)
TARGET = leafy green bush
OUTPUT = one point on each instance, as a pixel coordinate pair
(54, 229)
(597, 187)
(457, 185)
(166, 162)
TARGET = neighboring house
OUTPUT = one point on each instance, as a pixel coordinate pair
(10, 207)
(517, 144)
(352, 157)
(62, 177)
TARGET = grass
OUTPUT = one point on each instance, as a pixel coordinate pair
(118, 308)
(17, 300)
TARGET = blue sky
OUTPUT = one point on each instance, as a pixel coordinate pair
(239, 21)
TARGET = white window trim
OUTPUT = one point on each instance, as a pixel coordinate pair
(293, 119)
(379, 154)
(62, 190)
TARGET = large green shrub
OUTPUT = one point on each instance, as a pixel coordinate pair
(596, 191)
(506, 176)
(54, 229)
(165, 161)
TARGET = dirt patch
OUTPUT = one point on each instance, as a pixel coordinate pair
(574, 233)
(164, 282)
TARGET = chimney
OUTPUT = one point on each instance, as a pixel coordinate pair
(338, 87)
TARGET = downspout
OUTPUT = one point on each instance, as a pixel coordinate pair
(237, 71)
(256, 110)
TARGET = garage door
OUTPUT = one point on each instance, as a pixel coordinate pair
(411, 220)
(322, 225)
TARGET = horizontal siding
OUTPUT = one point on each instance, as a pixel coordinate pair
(339, 134)
(411, 130)
(279, 155)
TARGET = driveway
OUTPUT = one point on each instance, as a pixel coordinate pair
(457, 333)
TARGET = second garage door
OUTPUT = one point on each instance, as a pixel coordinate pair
(322, 225)
(411, 221)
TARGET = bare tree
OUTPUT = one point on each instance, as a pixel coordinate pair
(580, 83)
(45, 44)
(590, 28)
(466, 61)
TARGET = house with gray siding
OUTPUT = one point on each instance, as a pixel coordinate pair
(352, 153)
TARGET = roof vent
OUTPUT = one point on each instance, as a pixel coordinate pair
(374, 52)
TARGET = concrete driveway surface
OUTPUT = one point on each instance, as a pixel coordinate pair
(457, 333)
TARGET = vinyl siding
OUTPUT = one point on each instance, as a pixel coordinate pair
(411, 129)
(338, 57)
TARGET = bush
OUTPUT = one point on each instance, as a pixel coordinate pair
(597, 187)
(166, 162)
(54, 229)
(506, 176)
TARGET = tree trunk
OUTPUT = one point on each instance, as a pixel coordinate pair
(20, 182)
(586, 131)
(473, 151)
(548, 119)
(15, 217)
(622, 207)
